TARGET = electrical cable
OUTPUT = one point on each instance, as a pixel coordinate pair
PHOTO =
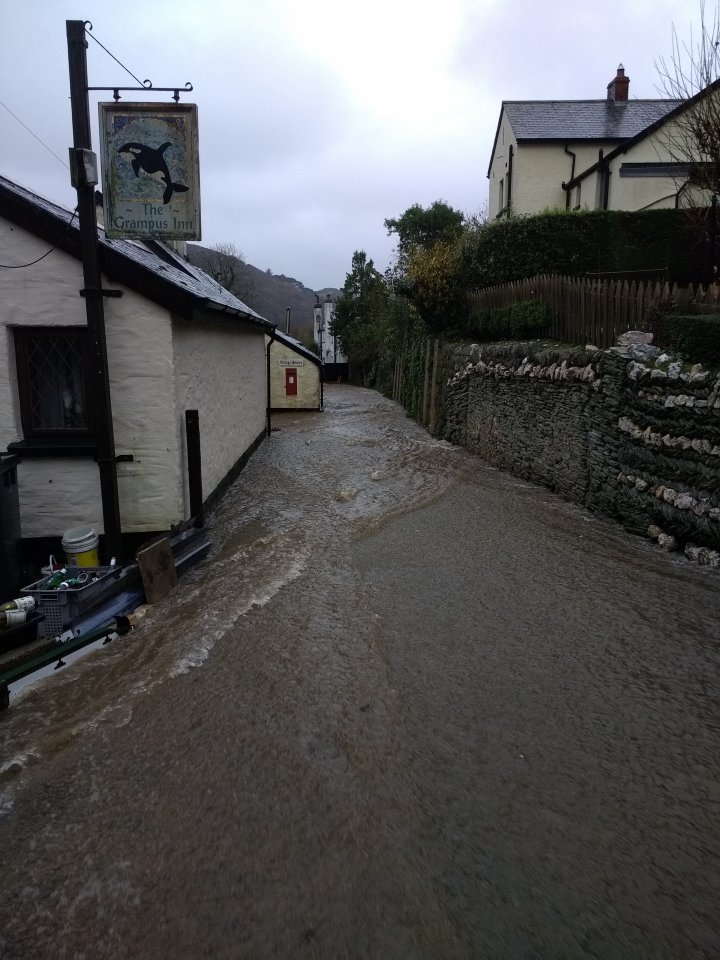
(21, 266)
(33, 134)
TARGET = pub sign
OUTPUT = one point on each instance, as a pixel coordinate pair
(151, 170)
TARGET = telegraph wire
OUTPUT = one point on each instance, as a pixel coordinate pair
(42, 142)
(88, 28)
(21, 266)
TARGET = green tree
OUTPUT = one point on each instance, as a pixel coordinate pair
(432, 285)
(420, 228)
(425, 268)
(360, 321)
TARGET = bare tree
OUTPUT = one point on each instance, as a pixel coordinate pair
(226, 263)
(692, 65)
(691, 138)
(223, 263)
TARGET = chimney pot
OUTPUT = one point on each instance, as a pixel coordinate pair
(617, 89)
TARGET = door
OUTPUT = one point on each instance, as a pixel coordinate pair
(290, 382)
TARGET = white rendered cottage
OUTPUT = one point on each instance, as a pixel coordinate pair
(176, 341)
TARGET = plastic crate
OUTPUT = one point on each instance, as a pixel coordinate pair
(61, 606)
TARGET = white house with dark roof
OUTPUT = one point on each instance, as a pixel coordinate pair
(334, 361)
(543, 150)
(176, 341)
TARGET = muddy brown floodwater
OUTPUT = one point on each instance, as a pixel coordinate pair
(409, 707)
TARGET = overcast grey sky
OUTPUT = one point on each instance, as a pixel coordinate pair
(320, 118)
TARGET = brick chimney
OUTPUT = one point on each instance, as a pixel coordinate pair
(618, 87)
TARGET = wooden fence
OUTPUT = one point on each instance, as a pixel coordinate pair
(596, 311)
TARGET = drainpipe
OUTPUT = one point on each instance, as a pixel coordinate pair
(606, 188)
(268, 427)
(604, 170)
(572, 177)
(511, 155)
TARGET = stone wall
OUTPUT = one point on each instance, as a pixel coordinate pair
(627, 432)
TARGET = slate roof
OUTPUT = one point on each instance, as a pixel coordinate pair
(297, 346)
(583, 119)
(149, 267)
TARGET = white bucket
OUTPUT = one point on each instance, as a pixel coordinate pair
(81, 547)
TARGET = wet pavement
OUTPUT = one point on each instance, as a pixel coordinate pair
(408, 707)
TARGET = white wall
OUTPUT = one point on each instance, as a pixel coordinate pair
(637, 193)
(146, 422)
(55, 494)
(541, 169)
(499, 167)
(158, 369)
(220, 372)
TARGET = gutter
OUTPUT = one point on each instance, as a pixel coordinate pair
(254, 318)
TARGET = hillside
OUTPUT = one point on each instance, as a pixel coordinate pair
(268, 294)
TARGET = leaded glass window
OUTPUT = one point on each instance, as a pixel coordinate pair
(53, 381)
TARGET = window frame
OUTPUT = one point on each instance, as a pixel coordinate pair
(80, 336)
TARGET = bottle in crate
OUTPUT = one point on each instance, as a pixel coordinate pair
(55, 580)
(12, 618)
(19, 603)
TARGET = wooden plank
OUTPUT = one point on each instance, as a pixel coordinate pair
(157, 570)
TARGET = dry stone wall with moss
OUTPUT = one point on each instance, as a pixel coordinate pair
(628, 432)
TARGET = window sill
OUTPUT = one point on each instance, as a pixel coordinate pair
(54, 447)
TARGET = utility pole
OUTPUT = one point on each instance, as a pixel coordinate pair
(93, 292)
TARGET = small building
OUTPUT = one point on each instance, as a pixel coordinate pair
(176, 342)
(334, 361)
(295, 375)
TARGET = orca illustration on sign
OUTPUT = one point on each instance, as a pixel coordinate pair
(151, 161)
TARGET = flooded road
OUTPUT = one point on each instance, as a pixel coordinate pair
(408, 707)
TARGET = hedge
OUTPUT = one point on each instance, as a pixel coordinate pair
(696, 337)
(575, 244)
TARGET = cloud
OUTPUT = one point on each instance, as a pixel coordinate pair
(320, 119)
